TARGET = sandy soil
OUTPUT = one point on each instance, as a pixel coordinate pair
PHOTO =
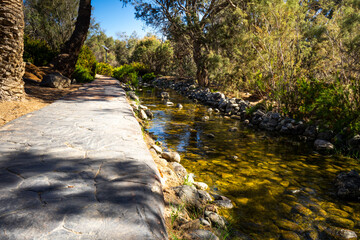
(37, 96)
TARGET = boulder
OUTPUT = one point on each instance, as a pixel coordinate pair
(187, 194)
(354, 143)
(55, 80)
(171, 156)
(323, 145)
(348, 185)
(179, 170)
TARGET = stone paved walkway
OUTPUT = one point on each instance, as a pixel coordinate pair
(79, 169)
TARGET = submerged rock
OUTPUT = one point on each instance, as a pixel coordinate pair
(340, 233)
(348, 185)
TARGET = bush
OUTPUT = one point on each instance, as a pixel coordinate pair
(82, 74)
(129, 73)
(87, 60)
(104, 69)
(37, 52)
(148, 77)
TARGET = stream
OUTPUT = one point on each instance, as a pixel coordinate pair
(280, 187)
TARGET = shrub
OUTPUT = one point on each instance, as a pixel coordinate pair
(129, 73)
(87, 60)
(104, 69)
(82, 74)
(148, 77)
(37, 52)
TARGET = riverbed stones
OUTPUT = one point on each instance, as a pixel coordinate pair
(340, 222)
(55, 80)
(348, 185)
(323, 145)
(302, 210)
(171, 156)
(201, 234)
(288, 235)
(179, 106)
(288, 225)
(340, 233)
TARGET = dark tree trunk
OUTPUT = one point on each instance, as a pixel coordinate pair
(12, 67)
(202, 74)
(66, 61)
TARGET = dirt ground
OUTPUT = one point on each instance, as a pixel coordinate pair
(37, 97)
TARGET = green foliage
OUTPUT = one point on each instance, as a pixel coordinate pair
(188, 180)
(149, 77)
(130, 73)
(52, 21)
(175, 211)
(37, 52)
(104, 69)
(87, 60)
(82, 74)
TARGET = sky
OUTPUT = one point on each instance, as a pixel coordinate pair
(114, 18)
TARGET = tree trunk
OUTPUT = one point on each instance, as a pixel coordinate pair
(202, 74)
(12, 67)
(66, 61)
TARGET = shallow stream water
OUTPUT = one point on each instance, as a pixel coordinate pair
(279, 186)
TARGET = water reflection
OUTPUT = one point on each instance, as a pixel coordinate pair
(279, 186)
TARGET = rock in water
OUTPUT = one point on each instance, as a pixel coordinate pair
(55, 80)
(322, 145)
(165, 95)
(348, 185)
(179, 106)
(171, 156)
(143, 115)
(340, 233)
(149, 113)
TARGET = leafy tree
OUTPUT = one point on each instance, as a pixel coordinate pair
(51, 20)
(194, 19)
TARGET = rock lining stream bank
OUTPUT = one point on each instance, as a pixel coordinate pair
(303, 210)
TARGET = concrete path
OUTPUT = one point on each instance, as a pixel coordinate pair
(79, 169)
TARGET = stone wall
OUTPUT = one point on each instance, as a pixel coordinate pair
(12, 67)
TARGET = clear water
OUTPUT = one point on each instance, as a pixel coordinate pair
(279, 186)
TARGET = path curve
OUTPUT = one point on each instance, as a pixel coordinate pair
(79, 169)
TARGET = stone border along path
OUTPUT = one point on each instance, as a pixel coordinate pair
(79, 169)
